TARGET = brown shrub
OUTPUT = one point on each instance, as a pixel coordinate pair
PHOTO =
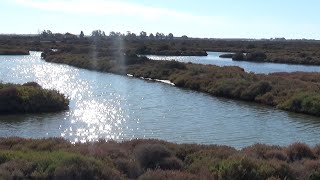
(275, 168)
(309, 169)
(128, 167)
(297, 151)
(16, 169)
(10, 142)
(171, 163)
(259, 150)
(151, 156)
(316, 150)
(276, 154)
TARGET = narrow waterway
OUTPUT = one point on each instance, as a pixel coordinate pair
(121, 108)
(256, 67)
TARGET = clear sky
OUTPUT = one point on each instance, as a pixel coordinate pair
(201, 18)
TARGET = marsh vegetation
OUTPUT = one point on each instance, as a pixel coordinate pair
(30, 98)
(153, 159)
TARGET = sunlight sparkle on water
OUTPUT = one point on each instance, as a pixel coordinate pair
(90, 117)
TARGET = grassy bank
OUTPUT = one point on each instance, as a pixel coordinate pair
(285, 91)
(30, 98)
(153, 159)
(14, 52)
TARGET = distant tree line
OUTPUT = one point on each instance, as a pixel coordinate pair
(132, 36)
(99, 34)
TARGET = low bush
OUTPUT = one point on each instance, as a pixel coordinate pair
(30, 98)
(32, 84)
(56, 158)
(298, 151)
(239, 168)
(276, 154)
(14, 52)
(316, 150)
(275, 168)
(305, 102)
(128, 167)
(238, 57)
(57, 165)
(152, 156)
(256, 56)
(260, 151)
(256, 89)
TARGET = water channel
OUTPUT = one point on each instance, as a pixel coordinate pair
(116, 107)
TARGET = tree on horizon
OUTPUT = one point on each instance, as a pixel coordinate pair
(81, 36)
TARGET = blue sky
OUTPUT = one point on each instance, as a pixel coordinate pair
(201, 18)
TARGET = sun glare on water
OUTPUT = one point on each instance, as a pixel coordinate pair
(91, 116)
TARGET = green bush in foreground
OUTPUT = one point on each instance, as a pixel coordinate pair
(56, 158)
(56, 165)
(30, 98)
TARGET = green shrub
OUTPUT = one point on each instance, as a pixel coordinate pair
(58, 165)
(238, 168)
(201, 162)
(32, 84)
(306, 102)
(30, 98)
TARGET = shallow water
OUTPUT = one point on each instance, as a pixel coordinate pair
(117, 107)
(261, 68)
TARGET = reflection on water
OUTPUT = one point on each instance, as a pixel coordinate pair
(264, 68)
(121, 108)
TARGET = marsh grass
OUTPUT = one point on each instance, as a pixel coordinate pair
(153, 159)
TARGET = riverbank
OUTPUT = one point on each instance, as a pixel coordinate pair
(13, 52)
(153, 159)
(284, 92)
(30, 98)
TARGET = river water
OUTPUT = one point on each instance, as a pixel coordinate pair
(256, 67)
(116, 107)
